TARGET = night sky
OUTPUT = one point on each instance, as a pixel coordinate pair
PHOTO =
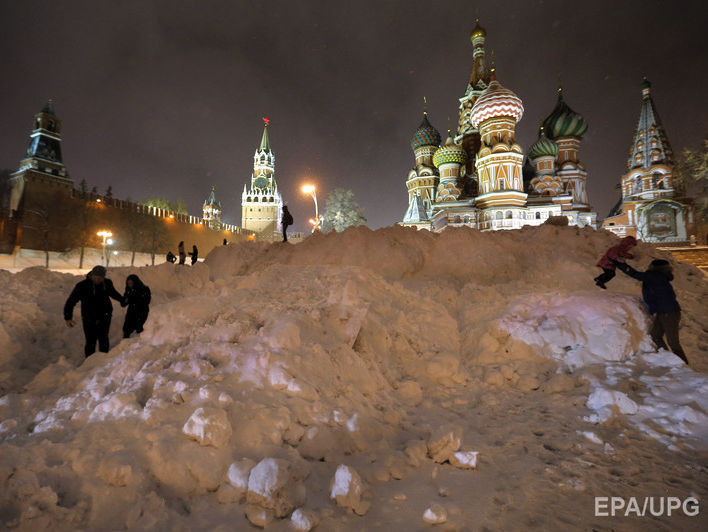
(165, 98)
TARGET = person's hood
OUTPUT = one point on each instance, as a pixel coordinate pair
(628, 242)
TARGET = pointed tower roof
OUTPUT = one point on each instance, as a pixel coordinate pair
(651, 144)
(211, 200)
(48, 108)
(265, 141)
(416, 211)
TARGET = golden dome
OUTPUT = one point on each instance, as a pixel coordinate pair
(478, 31)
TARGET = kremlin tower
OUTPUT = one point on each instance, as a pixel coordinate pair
(261, 203)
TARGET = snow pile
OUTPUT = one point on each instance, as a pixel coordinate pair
(345, 380)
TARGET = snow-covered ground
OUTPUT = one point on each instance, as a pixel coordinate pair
(384, 380)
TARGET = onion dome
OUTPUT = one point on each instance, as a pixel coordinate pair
(425, 135)
(543, 147)
(449, 153)
(478, 31)
(496, 101)
(564, 122)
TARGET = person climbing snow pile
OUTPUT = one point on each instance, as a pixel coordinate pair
(618, 252)
(660, 298)
(137, 299)
(94, 292)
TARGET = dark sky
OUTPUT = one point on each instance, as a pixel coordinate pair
(166, 97)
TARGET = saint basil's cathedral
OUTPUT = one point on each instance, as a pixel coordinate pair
(478, 179)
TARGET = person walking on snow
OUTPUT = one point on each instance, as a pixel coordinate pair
(285, 221)
(194, 254)
(660, 298)
(96, 309)
(137, 299)
(617, 252)
(181, 253)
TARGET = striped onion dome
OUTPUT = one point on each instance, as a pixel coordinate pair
(425, 135)
(449, 153)
(496, 101)
(564, 122)
(543, 147)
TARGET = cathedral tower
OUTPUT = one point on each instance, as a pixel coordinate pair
(566, 128)
(261, 203)
(649, 209)
(543, 155)
(500, 159)
(422, 179)
(467, 134)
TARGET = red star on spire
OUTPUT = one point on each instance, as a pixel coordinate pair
(266, 120)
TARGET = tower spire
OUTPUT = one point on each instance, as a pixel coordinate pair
(265, 141)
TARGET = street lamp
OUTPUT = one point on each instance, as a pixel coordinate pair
(310, 189)
(106, 236)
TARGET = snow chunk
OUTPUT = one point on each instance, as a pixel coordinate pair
(209, 426)
(347, 489)
(303, 520)
(272, 485)
(602, 398)
(261, 517)
(464, 459)
(435, 515)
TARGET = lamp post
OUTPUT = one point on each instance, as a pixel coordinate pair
(106, 235)
(310, 189)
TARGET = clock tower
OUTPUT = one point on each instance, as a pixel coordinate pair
(261, 203)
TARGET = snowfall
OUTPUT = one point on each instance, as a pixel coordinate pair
(366, 380)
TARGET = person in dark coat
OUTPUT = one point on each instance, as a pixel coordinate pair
(286, 221)
(181, 253)
(620, 251)
(171, 257)
(660, 298)
(194, 254)
(137, 299)
(225, 242)
(96, 309)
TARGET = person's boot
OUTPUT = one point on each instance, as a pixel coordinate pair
(599, 283)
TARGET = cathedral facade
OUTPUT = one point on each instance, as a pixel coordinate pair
(478, 177)
(261, 203)
(653, 206)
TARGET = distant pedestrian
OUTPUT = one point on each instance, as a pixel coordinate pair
(286, 221)
(96, 309)
(225, 242)
(181, 253)
(194, 254)
(660, 298)
(171, 257)
(137, 298)
(620, 251)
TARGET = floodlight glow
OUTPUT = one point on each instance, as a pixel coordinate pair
(308, 189)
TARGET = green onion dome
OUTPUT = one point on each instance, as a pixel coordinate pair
(449, 153)
(564, 122)
(543, 147)
(425, 135)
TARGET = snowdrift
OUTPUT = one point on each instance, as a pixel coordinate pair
(328, 381)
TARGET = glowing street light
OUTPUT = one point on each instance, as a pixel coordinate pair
(106, 240)
(310, 189)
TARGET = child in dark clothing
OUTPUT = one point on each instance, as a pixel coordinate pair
(620, 251)
(137, 299)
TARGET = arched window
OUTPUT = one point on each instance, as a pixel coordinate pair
(538, 215)
(501, 184)
(499, 215)
(508, 215)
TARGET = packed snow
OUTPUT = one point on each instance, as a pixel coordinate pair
(364, 380)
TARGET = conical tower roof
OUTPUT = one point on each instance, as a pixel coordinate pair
(416, 211)
(651, 144)
(265, 141)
